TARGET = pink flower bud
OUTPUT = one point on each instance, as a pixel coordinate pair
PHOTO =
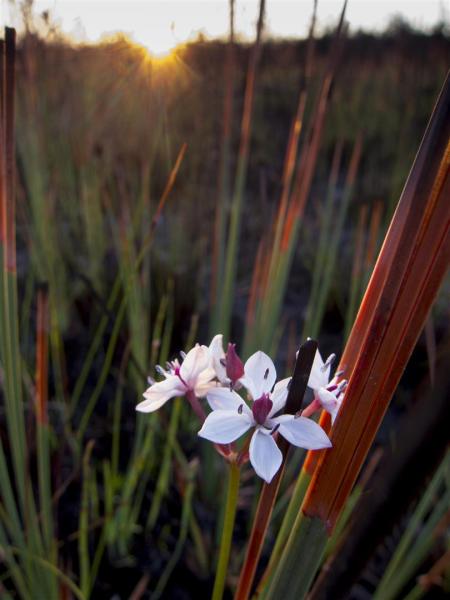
(234, 365)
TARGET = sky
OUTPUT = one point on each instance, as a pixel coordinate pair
(161, 24)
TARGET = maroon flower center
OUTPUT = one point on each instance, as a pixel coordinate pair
(261, 409)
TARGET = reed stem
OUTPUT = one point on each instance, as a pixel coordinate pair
(227, 531)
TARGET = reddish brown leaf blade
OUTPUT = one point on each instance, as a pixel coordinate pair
(411, 266)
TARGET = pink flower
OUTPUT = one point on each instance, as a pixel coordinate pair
(193, 375)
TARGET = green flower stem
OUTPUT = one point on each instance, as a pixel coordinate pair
(227, 531)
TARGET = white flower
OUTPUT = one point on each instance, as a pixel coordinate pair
(232, 417)
(193, 375)
(327, 394)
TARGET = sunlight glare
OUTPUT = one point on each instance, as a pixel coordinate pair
(160, 42)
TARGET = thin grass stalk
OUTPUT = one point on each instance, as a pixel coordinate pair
(2, 194)
(139, 469)
(42, 425)
(224, 174)
(269, 492)
(251, 333)
(437, 574)
(9, 340)
(83, 526)
(326, 228)
(421, 548)
(162, 482)
(109, 355)
(137, 311)
(255, 287)
(396, 575)
(301, 485)
(299, 194)
(93, 349)
(186, 513)
(10, 337)
(5, 482)
(117, 414)
(353, 501)
(418, 263)
(356, 269)
(308, 159)
(121, 310)
(15, 572)
(373, 241)
(330, 262)
(46, 567)
(227, 291)
(227, 530)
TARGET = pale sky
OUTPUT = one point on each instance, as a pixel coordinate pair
(164, 23)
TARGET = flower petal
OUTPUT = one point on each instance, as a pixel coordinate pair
(218, 355)
(327, 399)
(319, 375)
(302, 432)
(265, 455)
(224, 426)
(205, 382)
(158, 394)
(197, 360)
(329, 402)
(279, 396)
(260, 374)
(225, 399)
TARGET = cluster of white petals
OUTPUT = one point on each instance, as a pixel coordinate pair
(328, 395)
(211, 372)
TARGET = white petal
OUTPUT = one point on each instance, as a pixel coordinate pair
(158, 394)
(221, 398)
(319, 376)
(204, 382)
(224, 426)
(265, 455)
(279, 396)
(218, 355)
(302, 432)
(260, 374)
(334, 413)
(197, 360)
(327, 399)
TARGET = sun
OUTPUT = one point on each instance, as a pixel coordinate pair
(160, 42)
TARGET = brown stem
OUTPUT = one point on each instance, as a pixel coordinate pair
(196, 406)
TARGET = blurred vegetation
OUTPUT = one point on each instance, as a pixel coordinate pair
(99, 128)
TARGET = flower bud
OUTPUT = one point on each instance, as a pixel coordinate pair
(234, 365)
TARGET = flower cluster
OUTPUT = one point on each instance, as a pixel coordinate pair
(218, 375)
